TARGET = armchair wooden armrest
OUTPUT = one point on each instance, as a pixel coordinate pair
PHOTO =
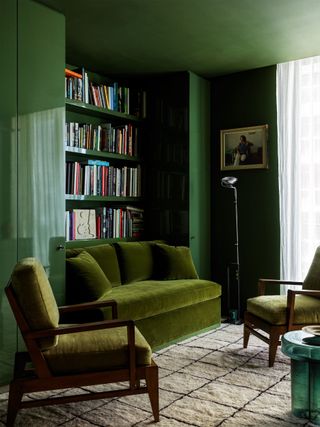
(82, 327)
(91, 306)
(263, 282)
(291, 297)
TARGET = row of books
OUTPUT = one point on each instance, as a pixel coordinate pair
(170, 186)
(104, 137)
(171, 150)
(104, 223)
(172, 116)
(98, 178)
(111, 96)
(170, 222)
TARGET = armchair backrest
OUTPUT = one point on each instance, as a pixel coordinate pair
(312, 280)
(34, 296)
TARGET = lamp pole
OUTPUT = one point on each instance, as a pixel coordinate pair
(228, 182)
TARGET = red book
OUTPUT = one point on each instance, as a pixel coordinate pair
(98, 226)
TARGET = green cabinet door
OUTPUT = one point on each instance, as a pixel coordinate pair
(31, 152)
(40, 154)
(8, 181)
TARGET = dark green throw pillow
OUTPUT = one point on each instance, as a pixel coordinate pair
(106, 257)
(88, 280)
(173, 262)
(135, 260)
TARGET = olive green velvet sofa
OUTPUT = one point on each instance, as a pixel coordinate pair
(154, 284)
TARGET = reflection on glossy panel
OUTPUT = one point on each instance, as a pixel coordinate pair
(41, 185)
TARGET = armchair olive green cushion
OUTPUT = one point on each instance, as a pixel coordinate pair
(135, 261)
(173, 262)
(95, 351)
(35, 297)
(272, 308)
(89, 281)
(312, 280)
(106, 257)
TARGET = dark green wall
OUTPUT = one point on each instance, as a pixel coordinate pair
(240, 100)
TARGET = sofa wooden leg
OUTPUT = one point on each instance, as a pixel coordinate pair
(246, 335)
(153, 389)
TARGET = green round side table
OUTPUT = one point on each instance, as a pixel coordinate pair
(305, 373)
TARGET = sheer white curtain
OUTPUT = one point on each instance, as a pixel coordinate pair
(298, 111)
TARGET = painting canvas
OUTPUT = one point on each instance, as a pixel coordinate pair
(244, 148)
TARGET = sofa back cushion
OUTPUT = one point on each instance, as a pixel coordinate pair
(173, 262)
(86, 280)
(135, 261)
(106, 257)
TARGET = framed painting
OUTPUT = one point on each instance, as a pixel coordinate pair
(244, 148)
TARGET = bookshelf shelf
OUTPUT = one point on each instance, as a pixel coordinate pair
(82, 107)
(118, 199)
(101, 154)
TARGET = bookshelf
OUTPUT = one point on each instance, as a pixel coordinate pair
(168, 160)
(103, 152)
(177, 164)
(174, 161)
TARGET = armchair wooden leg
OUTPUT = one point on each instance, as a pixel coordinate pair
(246, 335)
(153, 389)
(273, 345)
(15, 397)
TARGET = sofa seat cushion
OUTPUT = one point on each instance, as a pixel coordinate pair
(272, 308)
(95, 351)
(151, 297)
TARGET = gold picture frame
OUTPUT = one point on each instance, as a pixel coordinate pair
(244, 148)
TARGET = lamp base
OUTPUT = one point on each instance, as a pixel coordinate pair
(232, 322)
(233, 317)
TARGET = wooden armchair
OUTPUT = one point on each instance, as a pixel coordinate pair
(270, 316)
(66, 356)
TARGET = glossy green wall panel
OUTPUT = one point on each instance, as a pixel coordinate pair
(239, 100)
(8, 183)
(199, 185)
(41, 60)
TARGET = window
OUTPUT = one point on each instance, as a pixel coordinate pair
(298, 110)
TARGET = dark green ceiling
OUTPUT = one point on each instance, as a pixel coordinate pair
(209, 37)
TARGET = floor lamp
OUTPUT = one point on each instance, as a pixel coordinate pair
(234, 315)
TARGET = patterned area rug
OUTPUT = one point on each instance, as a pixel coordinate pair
(208, 380)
